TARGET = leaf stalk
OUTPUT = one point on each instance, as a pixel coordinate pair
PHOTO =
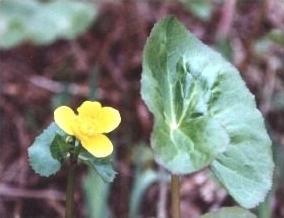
(175, 184)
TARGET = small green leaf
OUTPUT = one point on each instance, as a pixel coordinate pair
(59, 148)
(103, 166)
(234, 212)
(40, 157)
(204, 115)
(104, 169)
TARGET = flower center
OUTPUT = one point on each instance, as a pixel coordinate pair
(88, 126)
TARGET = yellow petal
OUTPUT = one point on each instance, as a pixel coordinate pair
(99, 145)
(64, 117)
(89, 108)
(108, 119)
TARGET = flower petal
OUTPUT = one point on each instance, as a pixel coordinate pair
(89, 108)
(108, 119)
(99, 145)
(64, 117)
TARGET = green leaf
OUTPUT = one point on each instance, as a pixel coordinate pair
(104, 169)
(103, 166)
(40, 156)
(13, 16)
(179, 85)
(59, 148)
(42, 22)
(204, 115)
(225, 212)
(96, 193)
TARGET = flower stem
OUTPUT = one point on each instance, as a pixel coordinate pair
(175, 196)
(69, 210)
(70, 191)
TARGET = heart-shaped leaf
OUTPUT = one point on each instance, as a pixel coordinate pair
(204, 114)
(179, 89)
(41, 158)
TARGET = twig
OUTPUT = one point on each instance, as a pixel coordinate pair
(58, 87)
(226, 20)
(60, 209)
(9, 191)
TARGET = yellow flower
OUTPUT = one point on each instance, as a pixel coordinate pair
(89, 125)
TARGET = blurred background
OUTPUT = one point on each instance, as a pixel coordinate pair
(64, 52)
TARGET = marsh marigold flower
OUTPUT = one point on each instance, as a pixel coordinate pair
(89, 125)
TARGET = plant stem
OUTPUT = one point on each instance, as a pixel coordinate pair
(70, 191)
(69, 210)
(175, 196)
